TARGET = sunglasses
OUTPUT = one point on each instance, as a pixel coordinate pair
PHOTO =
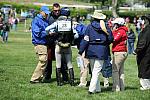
(56, 10)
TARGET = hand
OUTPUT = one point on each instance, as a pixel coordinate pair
(50, 33)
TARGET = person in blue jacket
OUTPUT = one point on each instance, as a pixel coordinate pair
(39, 41)
(95, 44)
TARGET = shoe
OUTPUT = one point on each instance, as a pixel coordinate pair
(133, 53)
(82, 85)
(106, 85)
(141, 88)
(90, 92)
(34, 82)
(46, 80)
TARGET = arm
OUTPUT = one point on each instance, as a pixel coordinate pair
(37, 30)
(50, 27)
(84, 43)
(118, 36)
(110, 36)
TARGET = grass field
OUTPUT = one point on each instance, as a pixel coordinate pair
(18, 61)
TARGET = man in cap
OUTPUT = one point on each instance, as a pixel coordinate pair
(143, 54)
(39, 41)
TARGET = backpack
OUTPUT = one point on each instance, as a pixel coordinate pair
(16, 21)
(107, 68)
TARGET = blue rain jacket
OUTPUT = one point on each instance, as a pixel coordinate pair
(96, 42)
(38, 30)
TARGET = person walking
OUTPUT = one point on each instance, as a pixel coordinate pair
(119, 50)
(96, 40)
(143, 54)
(39, 41)
(83, 62)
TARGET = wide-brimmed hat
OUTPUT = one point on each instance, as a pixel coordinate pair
(98, 15)
(45, 9)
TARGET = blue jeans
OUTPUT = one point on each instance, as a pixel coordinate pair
(130, 47)
(5, 36)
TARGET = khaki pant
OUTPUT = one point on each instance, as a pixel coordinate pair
(41, 51)
(96, 66)
(84, 71)
(118, 70)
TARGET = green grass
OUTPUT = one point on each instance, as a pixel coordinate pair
(18, 61)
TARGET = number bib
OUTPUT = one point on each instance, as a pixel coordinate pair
(64, 26)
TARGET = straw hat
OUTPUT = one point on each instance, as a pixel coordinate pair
(98, 15)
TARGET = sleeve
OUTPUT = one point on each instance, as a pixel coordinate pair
(50, 27)
(118, 36)
(76, 34)
(141, 44)
(36, 29)
(84, 43)
(110, 36)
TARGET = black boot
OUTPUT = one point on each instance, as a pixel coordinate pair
(58, 76)
(64, 69)
(71, 73)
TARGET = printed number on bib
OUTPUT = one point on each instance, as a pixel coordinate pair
(64, 26)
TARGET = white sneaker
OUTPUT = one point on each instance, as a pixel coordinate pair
(141, 88)
(82, 85)
(106, 85)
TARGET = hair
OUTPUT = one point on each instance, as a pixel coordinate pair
(56, 5)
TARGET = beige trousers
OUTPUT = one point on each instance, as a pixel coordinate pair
(41, 51)
(84, 71)
(118, 70)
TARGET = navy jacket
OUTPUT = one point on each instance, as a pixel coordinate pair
(38, 30)
(96, 42)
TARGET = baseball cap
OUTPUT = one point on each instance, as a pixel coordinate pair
(45, 9)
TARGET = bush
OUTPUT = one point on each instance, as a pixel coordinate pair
(130, 14)
(20, 6)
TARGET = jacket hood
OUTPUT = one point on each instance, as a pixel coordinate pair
(96, 25)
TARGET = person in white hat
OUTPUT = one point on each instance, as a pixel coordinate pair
(95, 44)
(119, 50)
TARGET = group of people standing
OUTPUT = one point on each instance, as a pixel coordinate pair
(53, 40)
(53, 33)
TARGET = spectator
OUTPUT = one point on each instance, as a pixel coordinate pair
(143, 54)
(119, 50)
(1, 24)
(96, 40)
(15, 23)
(5, 32)
(131, 41)
(80, 29)
(39, 41)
